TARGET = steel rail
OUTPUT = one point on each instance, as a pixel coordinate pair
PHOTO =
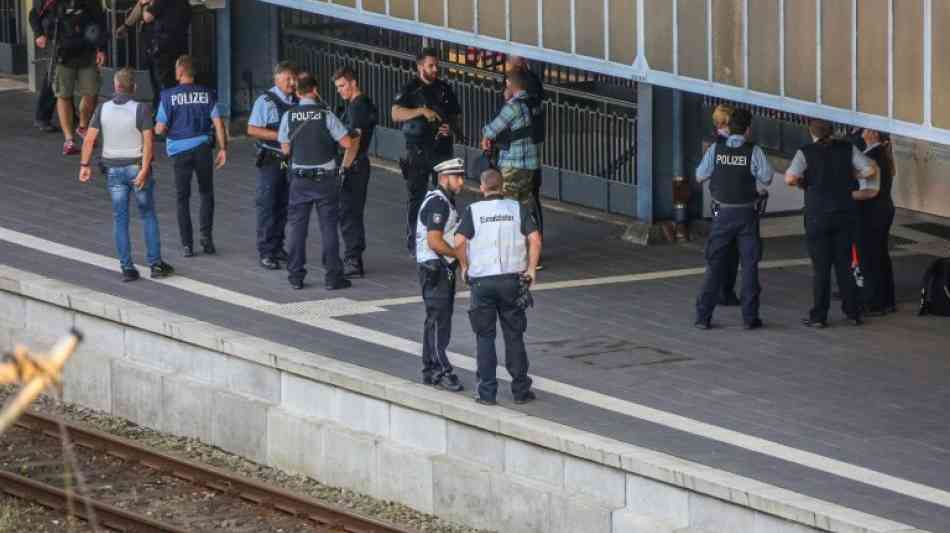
(322, 514)
(106, 515)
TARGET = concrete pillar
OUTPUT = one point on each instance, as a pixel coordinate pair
(645, 141)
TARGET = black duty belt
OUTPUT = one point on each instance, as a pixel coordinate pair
(315, 174)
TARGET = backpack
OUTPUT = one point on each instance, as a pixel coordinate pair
(935, 289)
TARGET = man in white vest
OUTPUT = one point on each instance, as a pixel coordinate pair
(498, 246)
(438, 259)
(127, 148)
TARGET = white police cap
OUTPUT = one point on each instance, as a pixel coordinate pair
(451, 166)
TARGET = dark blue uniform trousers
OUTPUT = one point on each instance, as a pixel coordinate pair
(352, 207)
(271, 200)
(438, 294)
(493, 299)
(305, 194)
(739, 225)
(830, 236)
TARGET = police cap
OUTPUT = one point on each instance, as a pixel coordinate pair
(451, 166)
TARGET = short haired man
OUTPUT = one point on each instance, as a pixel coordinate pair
(835, 175)
(518, 156)
(309, 135)
(272, 185)
(438, 260)
(498, 246)
(165, 38)
(360, 113)
(127, 143)
(188, 114)
(77, 30)
(431, 116)
(734, 166)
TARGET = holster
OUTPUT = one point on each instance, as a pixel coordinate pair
(267, 157)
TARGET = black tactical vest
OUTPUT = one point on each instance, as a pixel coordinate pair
(881, 207)
(282, 108)
(732, 181)
(829, 178)
(310, 140)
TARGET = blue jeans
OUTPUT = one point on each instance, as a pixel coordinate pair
(120, 181)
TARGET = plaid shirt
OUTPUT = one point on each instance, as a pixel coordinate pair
(523, 153)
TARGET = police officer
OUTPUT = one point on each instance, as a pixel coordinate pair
(535, 96)
(186, 115)
(733, 166)
(436, 256)
(826, 170)
(360, 113)
(430, 116)
(498, 246)
(730, 271)
(309, 134)
(272, 185)
(518, 156)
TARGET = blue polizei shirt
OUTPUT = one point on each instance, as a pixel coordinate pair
(264, 114)
(187, 110)
(337, 131)
(759, 166)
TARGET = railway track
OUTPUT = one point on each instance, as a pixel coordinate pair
(132, 488)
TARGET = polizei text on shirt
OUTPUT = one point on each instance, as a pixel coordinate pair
(301, 116)
(496, 218)
(732, 160)
(198, 97)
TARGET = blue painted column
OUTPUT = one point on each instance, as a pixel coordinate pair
(645, 148)
(223, 20)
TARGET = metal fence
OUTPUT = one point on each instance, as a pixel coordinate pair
(587, 134)
(11, 22)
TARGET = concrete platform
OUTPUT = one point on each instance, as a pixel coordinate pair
(839, 430)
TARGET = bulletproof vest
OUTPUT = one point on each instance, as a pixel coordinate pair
(828, 178)
(420, 131)
(535, 101)
(78, 28)
(121, 138)
(423, 252)
(732, 181)
(282, 108)
(525, 131)
(497, 246)
(188, 109)
(310, 140)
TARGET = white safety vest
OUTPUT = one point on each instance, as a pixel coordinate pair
(121, 138)
(423, 252)
(498, 246)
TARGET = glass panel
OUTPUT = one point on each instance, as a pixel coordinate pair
(872, 56)
(379, 6)
(557, 25)
(941, 66)
(347, 3)
(491, 18)
(909, 60)
(623, 31)
(462, 15)
(764, 46)
(524, 27)
(402, 8)
(693, 57)
(589, 21)
(727, 41)
(836, 70)
(432, 12)
(658, 24)
(800, 49)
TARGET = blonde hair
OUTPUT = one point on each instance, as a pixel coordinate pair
(186, 64)
(721, 115)
(125, 80)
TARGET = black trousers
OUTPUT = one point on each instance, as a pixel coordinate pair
(536, 198)
(730, 271)
(417, 170)
(830, 237)
(271, 198)
(493, 300)
(200, 163)
(352, 207)
(305, 195)
(45, 102)
(438, 293)
(161, 72)
(732, 227)
(876, 265)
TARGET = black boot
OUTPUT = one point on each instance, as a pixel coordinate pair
(353, 268)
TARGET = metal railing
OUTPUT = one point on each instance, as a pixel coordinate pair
(11, 22)
(586, 133)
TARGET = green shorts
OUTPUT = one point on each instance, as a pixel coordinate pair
(517, 183)
(69, 81)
